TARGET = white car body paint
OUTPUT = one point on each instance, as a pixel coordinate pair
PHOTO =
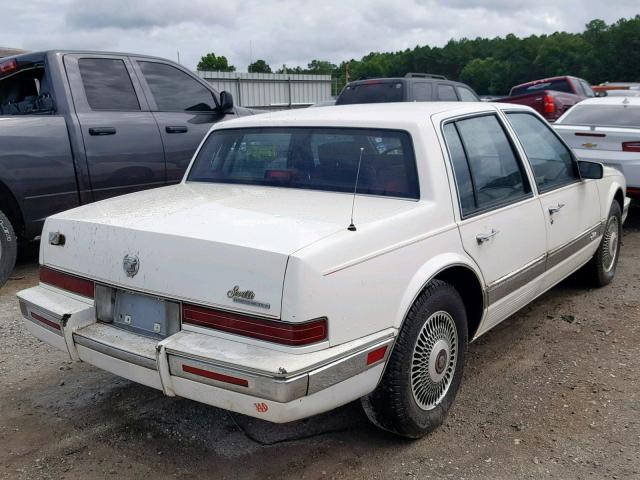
(196, 241)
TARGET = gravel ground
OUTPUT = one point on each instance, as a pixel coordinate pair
(553, 392)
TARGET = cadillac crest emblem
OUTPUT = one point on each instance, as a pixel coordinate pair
(131, 265)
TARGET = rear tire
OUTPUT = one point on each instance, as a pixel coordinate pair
(8, 248)
(425, 368)
(602, 267)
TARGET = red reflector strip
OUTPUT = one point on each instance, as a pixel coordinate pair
(46, 321)
(631, 146)
(376, 355)
(215, 376)
(584, 134)
(74, 284)
(294, 334)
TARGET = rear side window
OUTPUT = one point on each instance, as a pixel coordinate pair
(446, 93)
(487, 171)
(107, 84)
(550, 159)
(467, 95)
(371, 92)
(311, 159)
(421, 91)
(174, 90)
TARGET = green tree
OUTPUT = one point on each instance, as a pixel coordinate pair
(259, 66)
(215, 63)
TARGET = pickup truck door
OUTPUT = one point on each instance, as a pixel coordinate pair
(500, 221)
(123, 147)
(571, 206)
(184, 107)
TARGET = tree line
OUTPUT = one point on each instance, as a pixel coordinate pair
(602, 52)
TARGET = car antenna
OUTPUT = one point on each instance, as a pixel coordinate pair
(352, 227)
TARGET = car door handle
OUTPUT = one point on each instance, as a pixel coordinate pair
(556, 209)
(178, 129)
(485, 237)
(99, 131)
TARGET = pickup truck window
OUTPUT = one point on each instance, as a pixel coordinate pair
(175, 91)
(446, 93)
(21, 93)
(552, 163)
(107, 84)
(310, 158)
(559, 85)
(484, 159)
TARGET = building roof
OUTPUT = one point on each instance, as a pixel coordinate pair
(7, 52)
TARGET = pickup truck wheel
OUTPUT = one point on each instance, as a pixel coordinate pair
(602, 267)
(8, 248)
(424, 370)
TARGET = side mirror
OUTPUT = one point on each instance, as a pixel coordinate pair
(226, 102)
(591, 170)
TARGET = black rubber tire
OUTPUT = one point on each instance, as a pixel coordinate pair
(8, 248)
(392, 406)
(595, 271)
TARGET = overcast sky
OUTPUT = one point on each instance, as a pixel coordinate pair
(281, 31)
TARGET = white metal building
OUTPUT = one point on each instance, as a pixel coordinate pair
(271, 90)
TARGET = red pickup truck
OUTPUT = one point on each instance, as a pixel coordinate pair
(550, 96)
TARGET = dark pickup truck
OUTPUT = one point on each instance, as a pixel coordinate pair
(76, 127)
(550, 97)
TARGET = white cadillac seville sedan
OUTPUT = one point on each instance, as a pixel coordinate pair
(311, 258)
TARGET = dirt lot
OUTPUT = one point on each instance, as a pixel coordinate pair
(553, 392)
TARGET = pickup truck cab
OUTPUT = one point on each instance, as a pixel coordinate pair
(311, 258)
(76, 127)
(413, 87)
(550, 97)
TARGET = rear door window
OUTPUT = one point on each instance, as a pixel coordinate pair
(487, 170)
(446, 93)
(552, 162)
(175, 91)
(107, 84)
(421, 91)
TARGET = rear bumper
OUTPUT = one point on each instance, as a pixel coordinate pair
(253, 380)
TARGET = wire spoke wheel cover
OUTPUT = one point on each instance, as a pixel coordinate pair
(435, 354)
(610, 244)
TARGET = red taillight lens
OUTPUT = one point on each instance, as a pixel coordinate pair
(65, 281)
(8, 66)
(294, 334)
(549, 104)
(631, 146)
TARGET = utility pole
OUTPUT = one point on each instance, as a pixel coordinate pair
(250, 56)
(178, 52)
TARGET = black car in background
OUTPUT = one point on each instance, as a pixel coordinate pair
(413, 87)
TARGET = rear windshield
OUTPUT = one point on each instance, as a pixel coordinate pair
(560, 85)
(604, 115)
(311, 158)
(371, 92)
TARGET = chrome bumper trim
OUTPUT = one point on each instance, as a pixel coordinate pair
(115, 352)
(285, 389)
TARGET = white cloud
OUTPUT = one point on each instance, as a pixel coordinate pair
(284, 31)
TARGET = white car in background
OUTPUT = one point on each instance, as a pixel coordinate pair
(606, 130)
(264, 285)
